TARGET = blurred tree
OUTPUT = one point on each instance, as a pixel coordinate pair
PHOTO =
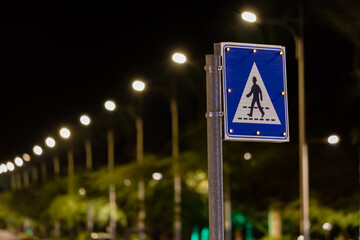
(344, 223)
(70, 209)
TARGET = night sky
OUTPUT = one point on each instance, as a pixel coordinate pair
(61, 59)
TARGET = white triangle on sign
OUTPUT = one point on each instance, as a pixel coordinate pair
(248, 110)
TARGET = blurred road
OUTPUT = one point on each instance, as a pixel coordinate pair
(5, 235)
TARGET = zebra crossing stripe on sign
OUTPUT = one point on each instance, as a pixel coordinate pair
(255, 105)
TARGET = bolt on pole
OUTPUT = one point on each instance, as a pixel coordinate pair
(214, 143)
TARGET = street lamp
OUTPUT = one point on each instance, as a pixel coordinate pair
(37, 150)
(65, 133)
(85, 120)
(18, 161)
(50, 142)
(110, 105)
(179, 58)
(247, 156)
(139, 86)
(248, 16)
(333, 139)
(157, 176)
(303, 148)
(26, 157)
(3, 168)
(10, 166)
(327, 228)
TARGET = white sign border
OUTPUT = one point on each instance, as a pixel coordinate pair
(254, 138)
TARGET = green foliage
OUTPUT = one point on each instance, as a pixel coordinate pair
(101, 210)
(67, 208)
(341, 220)
(6, 209)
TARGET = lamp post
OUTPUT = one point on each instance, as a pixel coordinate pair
(65, 133)
(85, 120)
(327, 228)
(50, 142)
(37, 151)
(111, 106)
(18, 163)
(26, 157)
(10, 167)
(139, 86)
(178, 58)
(303, 148)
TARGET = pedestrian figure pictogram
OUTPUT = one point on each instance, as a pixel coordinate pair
(256, 92)
(255, 105)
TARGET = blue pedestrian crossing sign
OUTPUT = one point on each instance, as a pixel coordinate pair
(254, 92)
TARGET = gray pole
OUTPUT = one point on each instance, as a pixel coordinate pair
(90, 216)
(303, 149)
(90, 210)
(26, 178)
(88, 152)
(177, 177)
(111, 154)
(18, 180)
(112, 206)
(112, 189)
(12, 182)
(43, 172)
(214, 138)
(70, 156)
(141, 183)
(34, 173)
(57, 167)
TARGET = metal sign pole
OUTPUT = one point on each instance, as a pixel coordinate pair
(214, 143)
(235, 72)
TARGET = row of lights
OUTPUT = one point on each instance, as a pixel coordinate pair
(64, 132)
(50, 142)
(85, 120)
